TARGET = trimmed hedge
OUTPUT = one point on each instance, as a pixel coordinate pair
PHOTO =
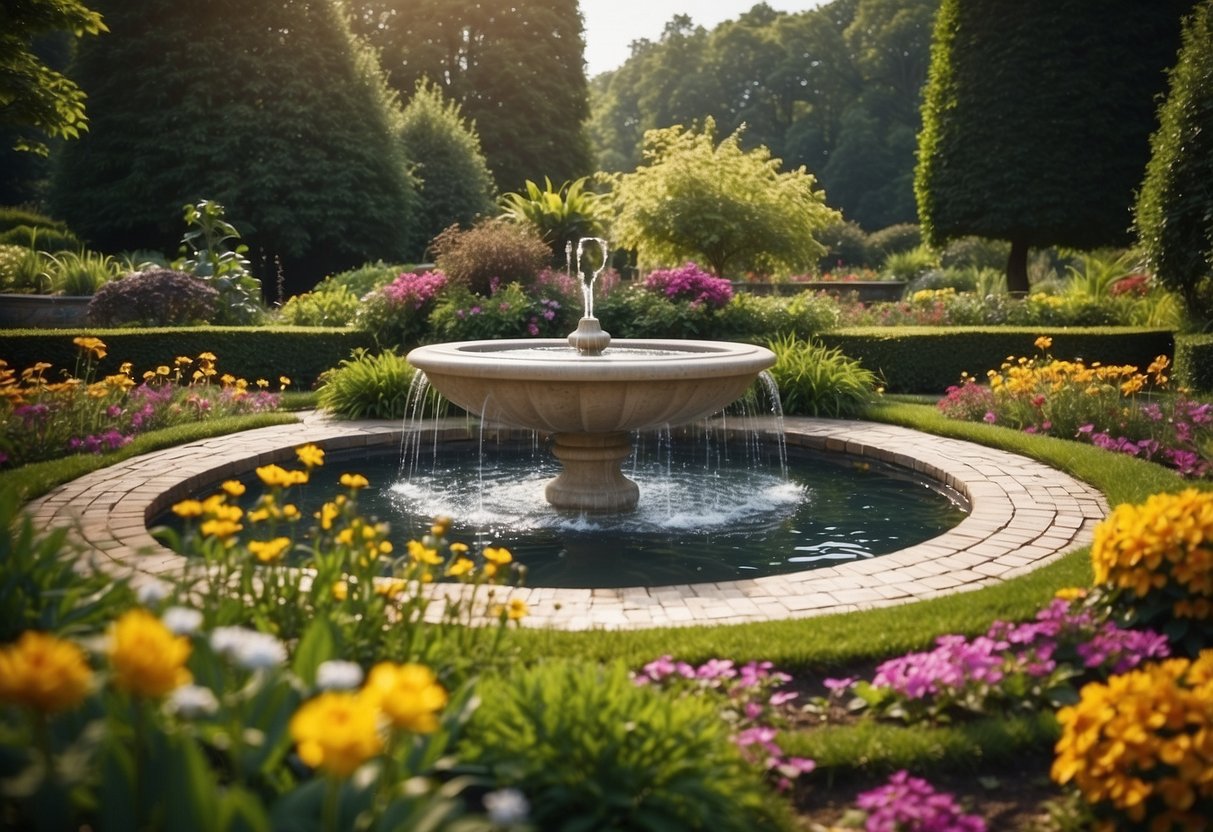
(299, 353)
(1194, 362)
(929, 359)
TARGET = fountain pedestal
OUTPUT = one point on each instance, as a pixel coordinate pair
(590, 478)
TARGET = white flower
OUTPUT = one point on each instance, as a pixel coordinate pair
(193, 701)
(248, 648)
(506, 807)
(152, 591)
(338, 675)
(182, 621)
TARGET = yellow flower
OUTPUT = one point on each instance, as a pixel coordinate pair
(391, 587)
(43, 672)
(262, 383)
(220, 529)
(461, 566)
(183, 360)
(208, 357)
(233, 488)
(340, 590)
(91, 345)
(327, 514)
(498, 555)
(1070, 593)
(516, 609)
(423, 554)
(147, 659)
(1042, 343)
(337, 732)
(459, 548)
(408, 694)
(269, 551)
(188, 508)
(276, 475)
(354, 481)
(284, 382)
(311, 456)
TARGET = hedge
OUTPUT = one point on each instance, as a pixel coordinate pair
(929, 359)
(1194, 361)
(299, 353)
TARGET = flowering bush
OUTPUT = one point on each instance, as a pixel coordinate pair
(911, 804)
(1156, 561)
(1118, 408)
(750, 700)
(43, 419)
(1028, 666)
(691, 284)
(548, 307)
(1139, 747)
(398, 313)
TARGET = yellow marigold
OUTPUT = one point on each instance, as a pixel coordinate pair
(147, 659)
(43, 672)
(312, 456)
(1140, 747)
(337, 732)
(354, 481)
(275, 475)
(269, 551)
(408, 694)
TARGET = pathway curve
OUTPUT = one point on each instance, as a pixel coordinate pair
(1024, 515)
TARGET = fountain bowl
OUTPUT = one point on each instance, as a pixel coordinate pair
(591, 403)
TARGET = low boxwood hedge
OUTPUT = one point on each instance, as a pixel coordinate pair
(299, 353)
(929, 359)
(1194, 361)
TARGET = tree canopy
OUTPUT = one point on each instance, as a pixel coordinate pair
(1175, 205)
(515, 67)
(271, 109)
(1037, 120)
(730, 208)
(836, 89)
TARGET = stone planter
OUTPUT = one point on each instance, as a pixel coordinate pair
(43, 311)
(865, 291)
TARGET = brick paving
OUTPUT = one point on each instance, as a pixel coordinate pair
(1023, 515)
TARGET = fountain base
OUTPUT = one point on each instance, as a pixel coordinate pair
(591, 480)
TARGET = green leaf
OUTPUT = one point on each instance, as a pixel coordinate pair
(318, 645)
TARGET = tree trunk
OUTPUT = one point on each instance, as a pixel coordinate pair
(1017, 269)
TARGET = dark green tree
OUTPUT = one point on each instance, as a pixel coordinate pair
(516, 67)
(1037, 120)
(272, 109)
(1175, 206)
(454, 182)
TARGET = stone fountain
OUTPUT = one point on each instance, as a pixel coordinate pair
(591, 393)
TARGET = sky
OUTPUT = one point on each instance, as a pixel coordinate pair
(611, 25)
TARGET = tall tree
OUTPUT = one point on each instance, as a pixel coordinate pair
(1037, 120)
(453, 179)
(271, 108)
(516, 67)
(1175, 206)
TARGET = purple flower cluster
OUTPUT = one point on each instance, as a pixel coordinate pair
(911, 804)
(753, 699)
(110, 440)
(1062, 642)
(690, 283)
(414, 290)
(968, 401)
(1179, 451)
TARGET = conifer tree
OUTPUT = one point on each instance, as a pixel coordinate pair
(272, 109)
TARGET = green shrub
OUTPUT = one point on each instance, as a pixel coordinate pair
(366, 278)
(73, 273)
(846, 245)
(398, 313)
(976, 251)
(1194, 362)
(211, 258)
(815, 380)
(23, 270)
(13, 216)
(561, 216)
(464, 316)
(329, 304)
(759, 318)
(593, 750)
(957, 278)
(41, 238)
(156, 297)
(634, 312)
(909, 265)
(896, 238)
(490, 254)
(367, 386)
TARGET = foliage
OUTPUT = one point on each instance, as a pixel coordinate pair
(985, 165)
(368, 386)
(545, 310)
(911, 264)
(1153, 559)
(207, 256)
(1136, 747)
(758, 318)
(562, 216)
(44, 419)
(815, 380)
(24, 270)
(81, 274)
(156, 297)
(514, 68)
(42, 238)
(35, 95)
(1174, 203)
(631, 311)
(896, 238)
(846, 246)
(1116, 407)
(731, 208)
(329, 304)
(605, 753)
(397, 314)
(367, 277)
(11, 216)
(491, 253)
(293, 133)
(454, 185)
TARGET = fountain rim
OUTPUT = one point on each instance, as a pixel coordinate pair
(686, 359)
